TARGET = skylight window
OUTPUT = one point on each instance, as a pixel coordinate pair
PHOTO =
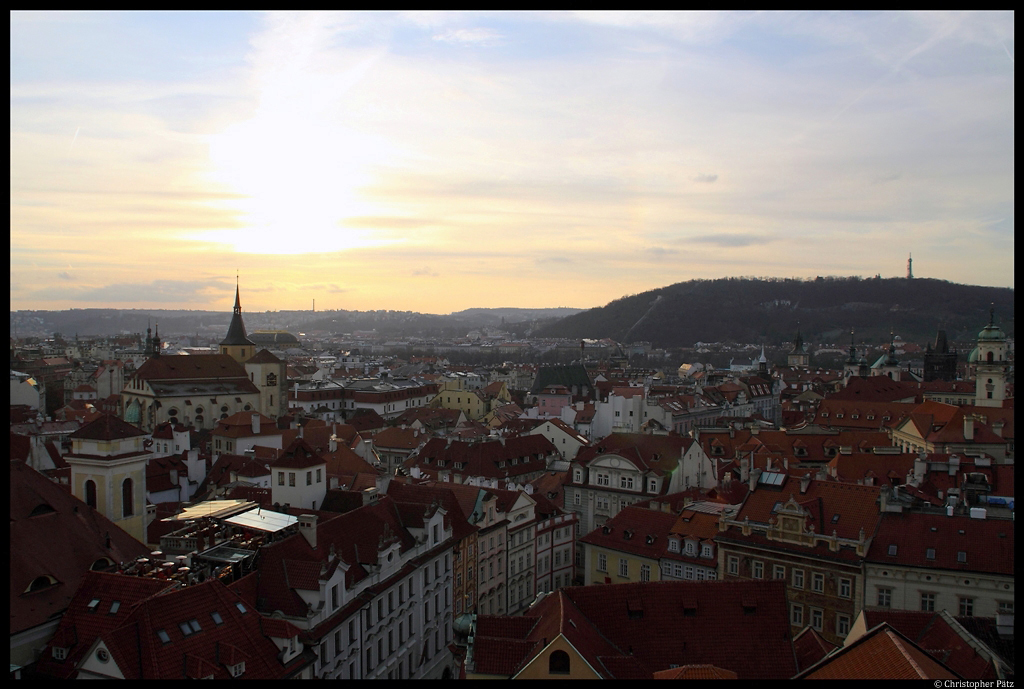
(114, 607)
(961, 556)
(835, 518)
(241, 608)
(929, 554)
(163, 636)
(216, 617)
(185, 629)
(93, 604)
(892, 549)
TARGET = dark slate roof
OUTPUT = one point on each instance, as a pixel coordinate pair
(107, 427)
(561, 375)
(236, 331)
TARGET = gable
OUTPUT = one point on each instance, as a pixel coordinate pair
(613, 461)
(537, 668)
(92, 662)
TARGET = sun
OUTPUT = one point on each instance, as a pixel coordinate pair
(298, 170)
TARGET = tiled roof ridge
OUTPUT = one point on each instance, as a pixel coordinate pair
(905, 652)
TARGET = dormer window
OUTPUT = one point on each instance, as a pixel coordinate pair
(673, 545)
(892, 550)
(237, 670)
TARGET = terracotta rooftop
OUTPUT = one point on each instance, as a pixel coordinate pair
(882, 653)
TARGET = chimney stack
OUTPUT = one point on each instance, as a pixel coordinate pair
(805, 482)
(307, 527)
(255, 424)
(968, 427)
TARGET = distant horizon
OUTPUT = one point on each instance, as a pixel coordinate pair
(428, 161)
(245, 310)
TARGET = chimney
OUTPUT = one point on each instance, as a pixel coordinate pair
(968, 427)
(307, 527)
(954, 464)
(805, 482)
(997, 428)
(255, 424)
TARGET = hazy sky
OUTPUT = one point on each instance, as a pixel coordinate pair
(436, 162)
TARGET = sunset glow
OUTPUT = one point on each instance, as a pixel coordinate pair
(435, 162)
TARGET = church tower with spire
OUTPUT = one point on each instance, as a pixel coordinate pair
(236, 344)
(798, 357)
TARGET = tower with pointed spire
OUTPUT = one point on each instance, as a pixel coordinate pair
(798, 357)
(910, 267)
(236, 344)
(152, 342)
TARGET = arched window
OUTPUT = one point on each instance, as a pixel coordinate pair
(127, 498)
(990, 357)
(558, 663)
(90, 493)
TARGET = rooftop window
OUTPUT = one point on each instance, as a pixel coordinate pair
(162, 633)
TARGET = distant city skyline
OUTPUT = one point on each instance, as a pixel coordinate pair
(434, 162)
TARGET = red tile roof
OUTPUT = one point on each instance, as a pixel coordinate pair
(298, 455)
(810, 647)
(140, 653)
(657, 453)
(635, 630)
(201, 366)
(877, 389)
(63, 543)
(696, 672)
(986, 544)
(636, 530)
(484, 459)
(81, 624)
(882, 653)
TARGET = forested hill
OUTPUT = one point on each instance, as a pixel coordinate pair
(768, 310)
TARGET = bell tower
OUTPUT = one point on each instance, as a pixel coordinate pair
(990, 362)
(236, 344)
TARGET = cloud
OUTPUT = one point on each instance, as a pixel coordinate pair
(338, 290)
(468, 37)
(891, 177)
(554, 259)
(425, 271)
(731, 240)
(706, 179)
(163, 291)
(65, 276)
(659, 251)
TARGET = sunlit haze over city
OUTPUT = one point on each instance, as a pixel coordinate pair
(435, 162)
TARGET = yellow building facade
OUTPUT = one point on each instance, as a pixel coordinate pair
(108, 471)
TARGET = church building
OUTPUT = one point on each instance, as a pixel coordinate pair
(199, 390)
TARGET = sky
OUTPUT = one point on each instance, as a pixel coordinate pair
(435, 162)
